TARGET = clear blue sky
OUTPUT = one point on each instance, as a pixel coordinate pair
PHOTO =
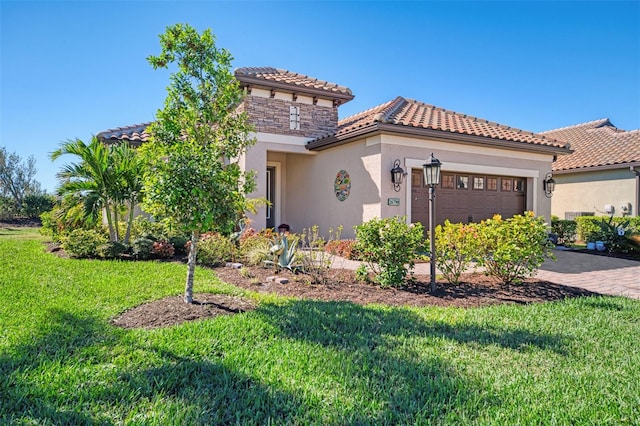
(73, 69)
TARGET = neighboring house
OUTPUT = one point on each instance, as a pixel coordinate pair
(601, 176)
(316, 169)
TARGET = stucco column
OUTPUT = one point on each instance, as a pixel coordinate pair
(256, 159)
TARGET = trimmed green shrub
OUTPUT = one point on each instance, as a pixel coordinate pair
(457, 246)
(159, 230)
(566, 230)
(514, 249)
(616, 232)
(179, 243)
(83, 242)
(388, 247)
(51, 226)
(215, 249)
(111, 250)
(589, 229)
(141, 248)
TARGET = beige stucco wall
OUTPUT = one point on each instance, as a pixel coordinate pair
(306, 179)
(311, 199)
(591, 191)
(412, 153)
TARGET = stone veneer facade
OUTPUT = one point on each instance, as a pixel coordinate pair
(271, 115)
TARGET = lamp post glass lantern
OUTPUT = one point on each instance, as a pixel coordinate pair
(432, 178)
(432, 171)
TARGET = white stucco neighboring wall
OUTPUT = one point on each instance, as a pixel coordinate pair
(591, 191)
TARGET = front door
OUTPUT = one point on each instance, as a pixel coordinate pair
(271, 197)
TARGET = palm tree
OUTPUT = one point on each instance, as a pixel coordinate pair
(129, 172)
(94, 180)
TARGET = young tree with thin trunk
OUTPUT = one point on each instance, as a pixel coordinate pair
(193, 175)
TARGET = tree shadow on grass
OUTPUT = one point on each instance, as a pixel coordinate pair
(200, 391)
(350, 325)
(409, 382)
(383, 377)
(25, 395)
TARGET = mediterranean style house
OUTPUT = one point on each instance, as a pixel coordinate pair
(601, 176)
(318, 170)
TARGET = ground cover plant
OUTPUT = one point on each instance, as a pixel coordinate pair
(296, 361)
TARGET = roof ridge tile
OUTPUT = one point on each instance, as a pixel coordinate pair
(600, 122)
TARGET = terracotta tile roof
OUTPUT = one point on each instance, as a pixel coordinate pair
(596, 143)
(270, 76)
(411, 114)
(136, 134)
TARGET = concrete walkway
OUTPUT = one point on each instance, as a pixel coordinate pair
(600, 274)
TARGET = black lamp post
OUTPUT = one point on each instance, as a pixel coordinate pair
(432, 178)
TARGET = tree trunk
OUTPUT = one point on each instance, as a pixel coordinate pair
(115, 223)
(191, 267)
(127, 235)
(107, 210)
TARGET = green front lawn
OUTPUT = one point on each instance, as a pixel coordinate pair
(298, 362)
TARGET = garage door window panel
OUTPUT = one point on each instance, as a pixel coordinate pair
(463, 182)
(478, 183)
(518, 185)
(448, 181)
(492, 184)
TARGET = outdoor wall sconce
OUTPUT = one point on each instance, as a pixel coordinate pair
(397, 173)
(548, 184)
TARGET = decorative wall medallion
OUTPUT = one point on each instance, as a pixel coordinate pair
(342, 185)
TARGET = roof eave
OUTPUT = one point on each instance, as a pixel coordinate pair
(292, 88)
(586, 169)
(329, 142)
(334, 140)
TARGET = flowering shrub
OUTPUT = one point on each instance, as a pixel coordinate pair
(342, 248)
(513, 249)
(388, 247)
(163, 249)
(457, 246)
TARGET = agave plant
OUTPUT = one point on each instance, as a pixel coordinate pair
(284, 253)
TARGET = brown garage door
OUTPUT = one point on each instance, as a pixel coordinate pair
(464, 197)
